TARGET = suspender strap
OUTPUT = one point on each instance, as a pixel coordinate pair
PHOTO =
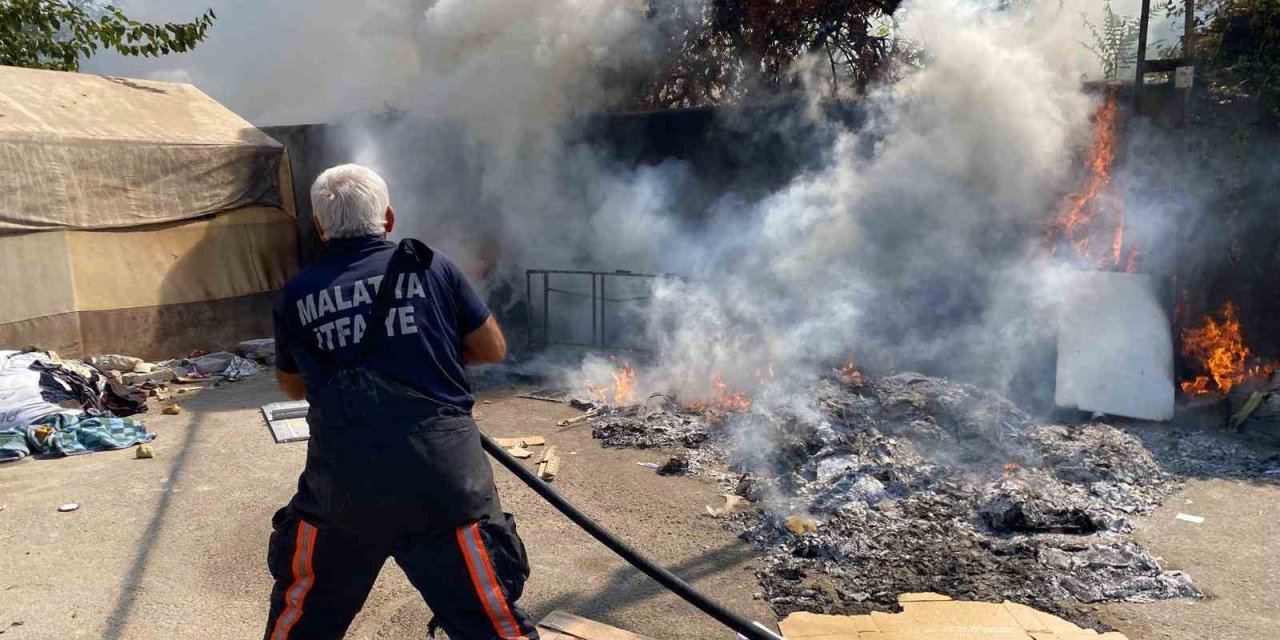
(410, 256)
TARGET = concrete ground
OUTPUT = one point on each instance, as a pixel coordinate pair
(174, 547)
(1234, 557)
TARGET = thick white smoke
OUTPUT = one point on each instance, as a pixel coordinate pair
(917, 244)
(911, 244)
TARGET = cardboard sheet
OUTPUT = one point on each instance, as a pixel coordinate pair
(559, 625)
(931, 616)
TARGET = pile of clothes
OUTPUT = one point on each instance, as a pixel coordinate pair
(56, 407)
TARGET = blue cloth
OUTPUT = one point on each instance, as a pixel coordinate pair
(70, 434)
(328, 305)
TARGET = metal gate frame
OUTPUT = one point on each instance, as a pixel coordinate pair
(598, 301)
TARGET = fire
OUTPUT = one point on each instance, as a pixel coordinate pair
(723, 399)
(1219, 349)
(623, 391)
(624, 385)
(850, 374)
(1090, 212)
(1010, 469)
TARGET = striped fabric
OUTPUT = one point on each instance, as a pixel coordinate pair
(303, 577)
(486, 583)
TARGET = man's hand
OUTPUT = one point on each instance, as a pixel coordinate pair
(485, 345)
(291, 384)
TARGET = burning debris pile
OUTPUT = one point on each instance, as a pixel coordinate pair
(1218, 349)
(910, 483)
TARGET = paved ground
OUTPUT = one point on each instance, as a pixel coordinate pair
(1234, 557)
(174, 547)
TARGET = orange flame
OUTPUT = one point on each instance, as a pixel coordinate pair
(1090, 211)
(624, 385)
(850, 374)
(1219, 349)
(723, 399)
(622, 392)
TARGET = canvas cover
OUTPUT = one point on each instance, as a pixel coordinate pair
(82, 151)
(135, 216)
(152, 290)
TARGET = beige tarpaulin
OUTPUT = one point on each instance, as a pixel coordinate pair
(135, 216)
(90, 152)
(241, 252)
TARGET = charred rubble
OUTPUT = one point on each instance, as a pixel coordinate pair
(923, 484)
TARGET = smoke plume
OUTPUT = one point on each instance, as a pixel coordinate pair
(908, 241)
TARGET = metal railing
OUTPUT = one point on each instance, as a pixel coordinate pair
(599, 301)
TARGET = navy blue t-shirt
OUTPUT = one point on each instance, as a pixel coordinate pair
(329, 303)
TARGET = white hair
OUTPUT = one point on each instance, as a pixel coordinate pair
(350, 200)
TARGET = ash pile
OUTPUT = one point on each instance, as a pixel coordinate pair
(909, 483)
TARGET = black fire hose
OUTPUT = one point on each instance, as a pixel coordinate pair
(746, 628)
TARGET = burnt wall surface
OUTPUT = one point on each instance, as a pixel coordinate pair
(1201, 181)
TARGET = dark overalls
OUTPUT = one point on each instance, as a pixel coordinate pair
(391, 472)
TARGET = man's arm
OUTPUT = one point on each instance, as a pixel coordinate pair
(485, 345)
(287, 374)
(291, 384)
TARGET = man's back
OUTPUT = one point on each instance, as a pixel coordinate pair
(376, 336)
(327, 308)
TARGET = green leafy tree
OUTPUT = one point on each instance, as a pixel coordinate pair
(1115, 41)
(1237, 47)
(725, 51)
(57, 34)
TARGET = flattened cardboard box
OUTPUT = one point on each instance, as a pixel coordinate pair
(932, 616)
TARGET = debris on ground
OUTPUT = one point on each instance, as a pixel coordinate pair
(112, 362)
(549, 464)
(70, 433)
(678, 465)
(558, 396)
(91, 396)
(172, 410)
(1186, 517)
(523, 441)
(239, 369)
(70, 506)
(520, 452)
(732, 504)
(909, 483)
(157, 375)
(578, 419)
(213, 362)
(802, 523)
(144, 452)
(262, 350)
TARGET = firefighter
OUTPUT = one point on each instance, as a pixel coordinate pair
(375, 335)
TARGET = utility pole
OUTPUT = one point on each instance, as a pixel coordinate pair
(1188, 59)
(1144, 22)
